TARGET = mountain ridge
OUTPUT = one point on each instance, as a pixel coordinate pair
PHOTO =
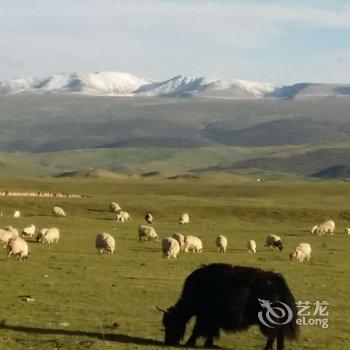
(106, 83)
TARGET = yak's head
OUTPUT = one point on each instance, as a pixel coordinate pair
(175, 325)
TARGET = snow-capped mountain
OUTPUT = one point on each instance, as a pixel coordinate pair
(124, 84)
(100, 83)
(176, 86)
(207, 87)
(15, 85)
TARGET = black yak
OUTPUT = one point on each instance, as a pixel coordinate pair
(232, 298)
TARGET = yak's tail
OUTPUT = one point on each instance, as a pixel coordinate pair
(291, 329)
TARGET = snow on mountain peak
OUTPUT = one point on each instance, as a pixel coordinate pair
(124, 84)
(99, 83)
(106, 83)
(15, 85)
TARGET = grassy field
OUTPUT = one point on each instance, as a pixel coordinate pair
(87, 301)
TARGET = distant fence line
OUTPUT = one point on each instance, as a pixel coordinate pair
(40, 194)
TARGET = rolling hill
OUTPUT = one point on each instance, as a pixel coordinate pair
(48, 134)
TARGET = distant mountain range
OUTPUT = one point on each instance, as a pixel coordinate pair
(124, 84)
(66, 124)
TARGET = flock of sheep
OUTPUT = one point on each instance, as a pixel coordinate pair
(172, 246)
(17, 245)
(17, 242)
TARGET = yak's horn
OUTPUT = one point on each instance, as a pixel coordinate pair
(161, 310)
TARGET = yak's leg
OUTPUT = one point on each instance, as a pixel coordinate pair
(280, 340)
(211, 332)
(271, 335)
(209, 342)
(195, 334)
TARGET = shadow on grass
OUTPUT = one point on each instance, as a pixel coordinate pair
(98, 210)
(295, 234)
(105, 219)
(39, 214)
(116, 337)
(233, 250)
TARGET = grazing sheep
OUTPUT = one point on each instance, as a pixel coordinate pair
(149, 218)
(40, 235)
(17, 248)
(1, 213)
(325, 228)
(274, 242)
(28, 232)
(314, 230)
(105, 243)
(147, 233)
(221, 243)
(193, 244)
(114, 207)
(347, 230)
(17, 214)
(184, 219)
(58, 211)
(170, 248)
(5, 236)
(180, 239)
(13, 230)
(123, 216)
(301, 252)
(49, 236)
(230, 298)
(251, 245)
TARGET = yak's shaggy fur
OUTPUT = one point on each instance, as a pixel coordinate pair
(226, 297)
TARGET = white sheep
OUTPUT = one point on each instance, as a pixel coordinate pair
(13, 230)
(114, 207)
(180, 239)
(301, 252)
(147, 233)
(221, 243)
(251, 245)
(274, 242)
(40, 235)
(28, 232)
(325, 228)
(347, 230)
(17, 248)
(5, 236)
(184, 219)
(149, 218)
(49, 236)
(105, 243)
(58, 211)
(193, 244)
(17, 214)
(123, 216)
(170, 248)
(314, 230)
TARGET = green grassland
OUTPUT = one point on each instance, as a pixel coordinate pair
(88, 301)
(286, 161)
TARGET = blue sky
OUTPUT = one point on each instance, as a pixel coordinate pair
(277, 41)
